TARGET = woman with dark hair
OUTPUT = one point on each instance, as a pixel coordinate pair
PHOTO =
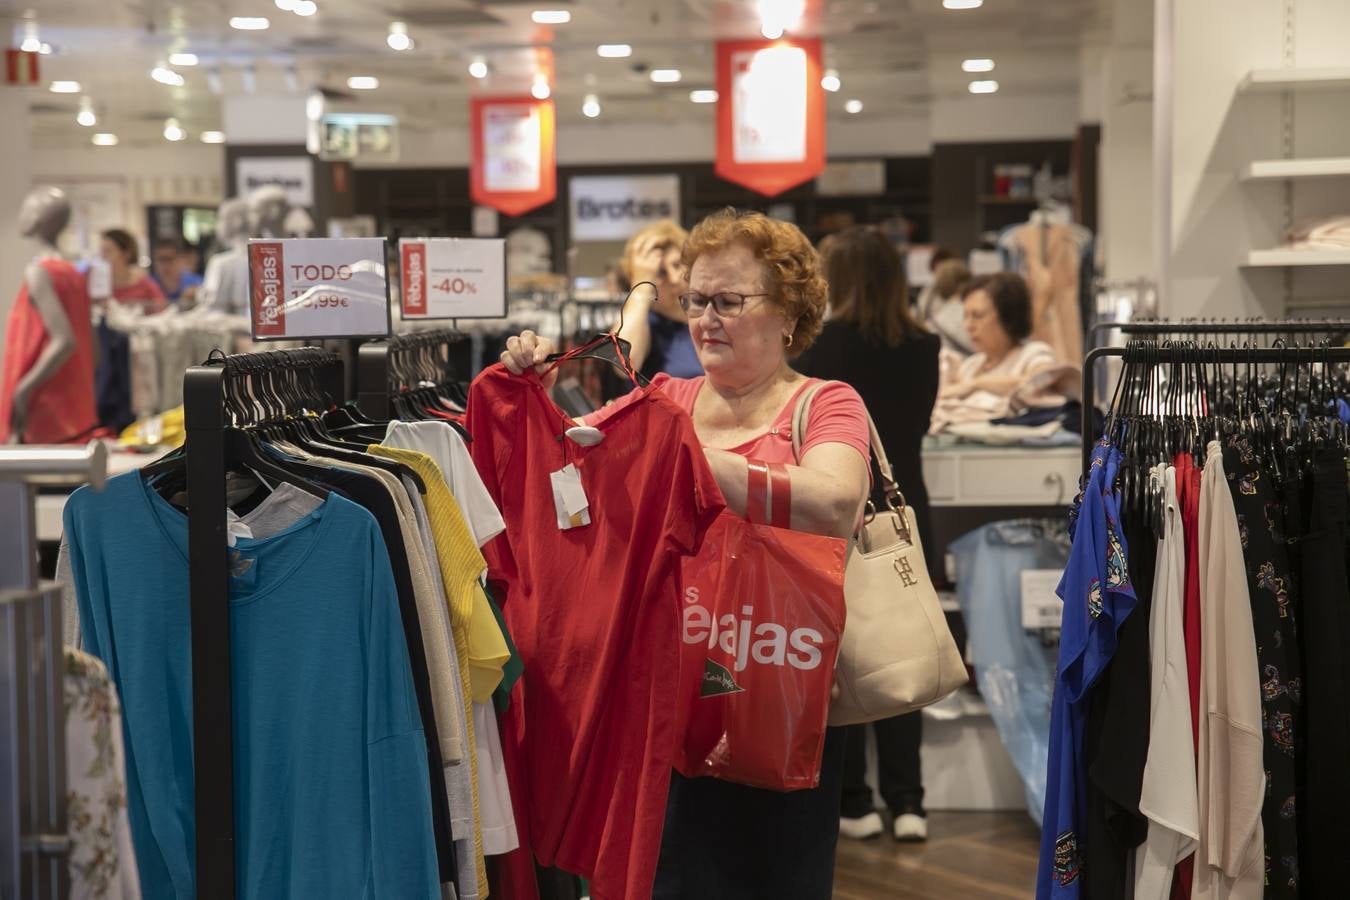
(998, 319)
(873, 343)
(131, 285)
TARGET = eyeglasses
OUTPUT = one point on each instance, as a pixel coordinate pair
(728, 304)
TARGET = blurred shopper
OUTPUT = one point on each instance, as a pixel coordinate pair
(131, 286)
(173, 272)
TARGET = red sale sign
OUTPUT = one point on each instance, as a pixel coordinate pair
(514, 165)
(266, 261)
(770, 113)
(453, 278)
(303, 288)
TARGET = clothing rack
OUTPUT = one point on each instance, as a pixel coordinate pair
(1219, 326)
(205, 418)
(380, 363)
(1179, 353)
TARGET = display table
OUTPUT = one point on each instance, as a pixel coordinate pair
(975, 475)
(51, 502)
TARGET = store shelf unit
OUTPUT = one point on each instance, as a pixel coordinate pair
(1281, 258)
(1323, 78)
(1289, 169)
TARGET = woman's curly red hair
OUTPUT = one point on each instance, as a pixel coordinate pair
(792, 270)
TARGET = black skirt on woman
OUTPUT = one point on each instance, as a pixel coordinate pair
(726, 841)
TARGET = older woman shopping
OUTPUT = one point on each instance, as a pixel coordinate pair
(755, 298)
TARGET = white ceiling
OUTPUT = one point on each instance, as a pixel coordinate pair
(897, 56)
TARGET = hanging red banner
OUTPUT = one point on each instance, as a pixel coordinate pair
(514, 158)
(770, 113)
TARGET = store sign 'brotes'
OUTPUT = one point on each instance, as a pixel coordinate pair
(616, 208)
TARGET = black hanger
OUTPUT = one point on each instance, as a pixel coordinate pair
(609, 347)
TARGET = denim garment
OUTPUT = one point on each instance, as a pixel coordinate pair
(1014, 669)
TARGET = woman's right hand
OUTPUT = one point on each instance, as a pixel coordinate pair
(527, 350)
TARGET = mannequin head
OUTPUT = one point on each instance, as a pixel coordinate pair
(267, 208)
(232, 221)
(44, 214)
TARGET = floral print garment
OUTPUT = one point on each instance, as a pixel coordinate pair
(102, 862)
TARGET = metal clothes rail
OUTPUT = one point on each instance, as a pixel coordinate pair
(380, 366)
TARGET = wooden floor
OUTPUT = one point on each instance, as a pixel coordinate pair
(969, 855)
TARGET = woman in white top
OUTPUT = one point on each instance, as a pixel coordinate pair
(998, 320)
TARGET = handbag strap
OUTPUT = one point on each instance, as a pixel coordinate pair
(801, 415)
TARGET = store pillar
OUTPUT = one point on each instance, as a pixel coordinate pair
(16, 151)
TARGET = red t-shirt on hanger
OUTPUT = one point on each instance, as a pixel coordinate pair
(594, 611)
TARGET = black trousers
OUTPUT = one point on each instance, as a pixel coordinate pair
(726, 841)
(898, 766)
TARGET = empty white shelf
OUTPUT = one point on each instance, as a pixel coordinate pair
(1325, 78)
(1283, 169)
(1283, 257)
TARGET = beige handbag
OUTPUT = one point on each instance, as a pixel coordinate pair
(897, 654)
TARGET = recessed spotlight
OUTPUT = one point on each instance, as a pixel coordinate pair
(173, 131)
(615, 51)
(306, 8)
(64, 87)
(164, 75)
(104, 139)
(977, 65)
(772, 31)
(45, 49)
(249, 23)
(183, 59)
(704, 96)
(286, 5)
(962, 4)
(363, 82)
(831, 81)
(213, 137)
(398, 37)
(550, 17)
(540, 89)
(984, 87)
(478, 68)
(853, 107)
(590, 108)
(31, 42)
(86, 115)
(666, 76)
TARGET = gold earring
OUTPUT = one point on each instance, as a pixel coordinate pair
(787, 340)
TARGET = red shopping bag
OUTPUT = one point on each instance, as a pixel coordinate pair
(763, 612)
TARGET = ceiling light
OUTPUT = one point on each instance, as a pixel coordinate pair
(615, 51)
(478, 68)
(103, 139)
(551, 17)
(831, 81)
(776, 16)
(398, 37)
(962, 4)
(164, 75)
(590, 108)
(286, 5)
(183, 59)
(249, 23)
(306, 8)
(703, 96)
(64, 87)
(45, 49)
(666, 76)
(772, 31)
(363, 82)
(853, 107)
(213, 137)
(173, 131)
(977, 65)
(983, 87)
(540, 90)
(86, 115)
(31, 42)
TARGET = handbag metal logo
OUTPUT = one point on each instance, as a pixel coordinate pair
(905, 571)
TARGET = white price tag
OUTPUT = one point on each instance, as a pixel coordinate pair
(1041, 607)
(569, 498)
(453, 278)
(318, 288)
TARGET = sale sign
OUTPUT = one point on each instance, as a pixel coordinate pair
(318, 288)
(453, 278)
(514, 165)
(770, 113)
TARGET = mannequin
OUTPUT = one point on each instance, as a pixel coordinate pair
(47, 380)
(267, 209)
(226, 275)
(299, 223)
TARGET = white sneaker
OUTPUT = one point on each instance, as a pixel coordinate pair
(911, 828)
(860, 829)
